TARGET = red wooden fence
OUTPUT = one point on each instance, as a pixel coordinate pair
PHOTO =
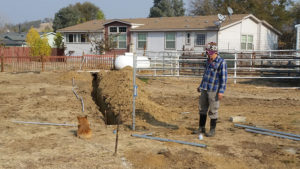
(25, 51)
(86, 62)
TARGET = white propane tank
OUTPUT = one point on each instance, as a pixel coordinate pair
(127, 60)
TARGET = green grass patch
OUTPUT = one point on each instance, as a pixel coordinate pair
(144, 79)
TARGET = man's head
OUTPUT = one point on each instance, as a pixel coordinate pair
(211, 48)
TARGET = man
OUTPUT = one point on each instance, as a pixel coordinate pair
(212, 88)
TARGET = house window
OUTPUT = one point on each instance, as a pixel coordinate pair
(142, 40)
(71, 38)
(120, 41)
(122, 29)
(170, 40)
(247, 42)
(188, 38)
(84, 38)
(113, 29)
(200, 39)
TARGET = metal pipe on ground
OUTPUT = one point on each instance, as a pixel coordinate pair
(53, 124)
(267, 130)
(169, 140)
(75, 93)
(270, 134)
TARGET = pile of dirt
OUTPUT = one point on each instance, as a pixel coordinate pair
(115, 96)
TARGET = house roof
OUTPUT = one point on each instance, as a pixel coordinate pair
(14, 36)
(89, 26)
(164, 23)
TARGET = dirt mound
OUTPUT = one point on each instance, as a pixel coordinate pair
(115, 94)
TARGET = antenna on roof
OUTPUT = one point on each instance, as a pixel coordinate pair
(217, 23)
(230, 11)
(221, 17)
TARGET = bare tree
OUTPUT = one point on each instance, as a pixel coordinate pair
(102, 45)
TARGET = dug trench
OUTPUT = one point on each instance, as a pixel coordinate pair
(108, 116)
(112, 93)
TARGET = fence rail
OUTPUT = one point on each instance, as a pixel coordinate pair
(255, 64)
(26, 63)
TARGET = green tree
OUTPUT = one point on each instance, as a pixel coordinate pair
(295, 13)
(167, 8)
(202, 7)
(178, 7)
(74, 14)
(65, 17)
(58, 41)
(89, 11)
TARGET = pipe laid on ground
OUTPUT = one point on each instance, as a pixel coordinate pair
(168, 140)
(75, 93)
(82, 104)
(276, 135)
(267, 130)
(53, 124)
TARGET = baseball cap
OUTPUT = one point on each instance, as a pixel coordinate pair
(211, 48)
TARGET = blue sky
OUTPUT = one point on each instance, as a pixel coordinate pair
(18, 11)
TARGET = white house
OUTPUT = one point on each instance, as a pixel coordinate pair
(50, 36)
(238, 32)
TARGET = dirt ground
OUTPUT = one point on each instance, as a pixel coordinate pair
(170, 110)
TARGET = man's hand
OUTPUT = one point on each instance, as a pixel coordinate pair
(198, 90)
(220, 96)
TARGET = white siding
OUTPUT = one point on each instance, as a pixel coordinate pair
(156, 41)
(229, 39)
(269, 39)
(78, 48)
(263, 37)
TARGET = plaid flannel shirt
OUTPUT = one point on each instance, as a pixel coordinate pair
(215, 76)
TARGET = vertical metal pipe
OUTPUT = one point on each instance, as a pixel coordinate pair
(134, 88)
(82, 104)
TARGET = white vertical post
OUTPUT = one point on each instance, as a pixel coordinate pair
(155, 62)
(177, 64)
(298, 45)
(134, 91)
(235, 66)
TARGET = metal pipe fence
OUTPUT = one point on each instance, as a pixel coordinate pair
(241, 64)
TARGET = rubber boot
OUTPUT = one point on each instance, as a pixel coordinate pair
(212, 131)
(202, 122)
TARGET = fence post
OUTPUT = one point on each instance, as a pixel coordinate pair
(2, 63)
(43, 68)
(114, 61)
(235, 66)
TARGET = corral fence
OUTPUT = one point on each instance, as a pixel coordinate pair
(51, 63)
(275, 64)
(241, 64)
